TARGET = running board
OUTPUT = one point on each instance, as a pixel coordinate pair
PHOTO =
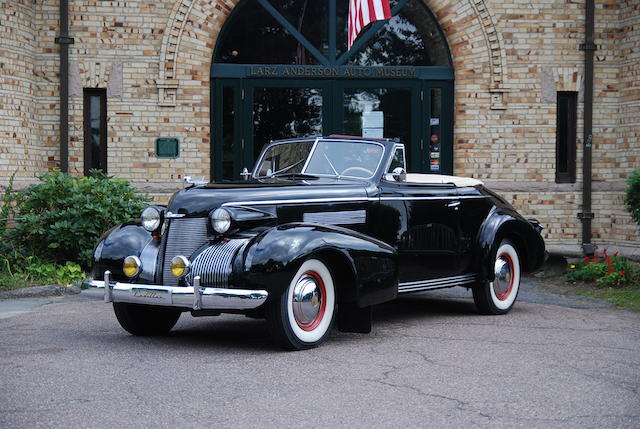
(440, 283)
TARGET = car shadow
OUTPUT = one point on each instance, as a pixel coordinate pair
(234, 332)
(422, 306)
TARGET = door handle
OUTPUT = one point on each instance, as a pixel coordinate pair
(454, 204)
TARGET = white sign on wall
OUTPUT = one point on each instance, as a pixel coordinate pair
(373, 124)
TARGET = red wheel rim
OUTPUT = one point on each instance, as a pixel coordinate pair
(322, 293)
(504, 295)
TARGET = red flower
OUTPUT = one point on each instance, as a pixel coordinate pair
(586, 260)
(609, 265)
(615, 255)
(622, 274)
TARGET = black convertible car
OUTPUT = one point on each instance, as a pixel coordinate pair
(324, 229)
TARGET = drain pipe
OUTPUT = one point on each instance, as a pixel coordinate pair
(588, 248)
(64, 41)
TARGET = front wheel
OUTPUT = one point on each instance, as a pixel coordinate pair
(302, 316)
(144, 320)
(499, 296)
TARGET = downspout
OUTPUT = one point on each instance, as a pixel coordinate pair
(589, 48)
(64, 41)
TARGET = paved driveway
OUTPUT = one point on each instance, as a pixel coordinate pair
(429, 362)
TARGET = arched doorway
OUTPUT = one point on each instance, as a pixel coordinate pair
(281, 69)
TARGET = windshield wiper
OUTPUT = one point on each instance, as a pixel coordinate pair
(330, 164)
(296, 176)
(289, 167)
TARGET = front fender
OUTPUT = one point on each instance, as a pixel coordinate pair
(505, 222)
(120, 242)
(270, 260)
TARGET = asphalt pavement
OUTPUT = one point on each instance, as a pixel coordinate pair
(431, 361)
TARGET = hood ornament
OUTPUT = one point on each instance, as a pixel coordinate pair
(188, 181)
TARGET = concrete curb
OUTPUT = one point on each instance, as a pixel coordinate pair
(40, 291)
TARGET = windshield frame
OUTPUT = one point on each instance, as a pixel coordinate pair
(311, 153)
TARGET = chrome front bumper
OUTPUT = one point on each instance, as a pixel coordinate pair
(187, 297)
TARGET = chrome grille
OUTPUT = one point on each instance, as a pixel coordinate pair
(213, 265)
(185, 236)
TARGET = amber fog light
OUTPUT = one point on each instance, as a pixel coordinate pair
(131, 266)
(180, 266)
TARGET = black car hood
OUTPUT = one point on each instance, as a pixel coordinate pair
(200, 200)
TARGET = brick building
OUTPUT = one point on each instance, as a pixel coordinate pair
(492, 89)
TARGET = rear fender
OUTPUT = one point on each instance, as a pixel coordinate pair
(504, 223)
(365, 269)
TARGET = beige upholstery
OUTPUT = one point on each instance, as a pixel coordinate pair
(438, 179)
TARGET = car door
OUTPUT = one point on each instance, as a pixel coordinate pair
(423, 223)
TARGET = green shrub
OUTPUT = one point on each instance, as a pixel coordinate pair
(632, 197)
(7, 201)
(609, 271)
(615, 279)
(587, 271)
(62, 218)
(20, 271)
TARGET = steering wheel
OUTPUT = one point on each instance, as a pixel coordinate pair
(362, 169)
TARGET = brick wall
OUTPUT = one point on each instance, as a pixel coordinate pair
(20, 149)
(510, 58)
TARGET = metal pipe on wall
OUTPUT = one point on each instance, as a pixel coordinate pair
(64, 41)
(589, 48)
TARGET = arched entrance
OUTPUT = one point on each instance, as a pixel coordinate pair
(281, 69)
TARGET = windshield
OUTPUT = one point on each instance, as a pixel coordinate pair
(284, 158)
(329, 158)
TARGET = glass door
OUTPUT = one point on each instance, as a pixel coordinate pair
(249, 113)
(436, 122)
(381, 110)
(282, 110)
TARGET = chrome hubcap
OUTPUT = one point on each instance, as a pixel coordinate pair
(307, 300)
(503, 278)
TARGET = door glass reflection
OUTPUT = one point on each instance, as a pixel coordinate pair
(282, 113)
(95, 117)
(435, 128)
(378, 112)
(228, 134)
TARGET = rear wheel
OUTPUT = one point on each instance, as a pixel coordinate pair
(499, 295)
(144, 320)
(302, 316)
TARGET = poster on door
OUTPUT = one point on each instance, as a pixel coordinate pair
(373, 124)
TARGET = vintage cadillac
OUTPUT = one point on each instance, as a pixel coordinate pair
(323, 229)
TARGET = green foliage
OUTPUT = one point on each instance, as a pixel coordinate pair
(587, 271)
(17, 270)
(615, 279)
(632, 197)
(628, 296)
(7, 201)
(608, 271)
(62, 218)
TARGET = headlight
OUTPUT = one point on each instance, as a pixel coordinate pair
(221, 220)
(131, 266)
(180, 266)
(151, 218)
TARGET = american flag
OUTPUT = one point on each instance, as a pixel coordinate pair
(363, 12)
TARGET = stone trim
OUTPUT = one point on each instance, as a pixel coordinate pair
(532, 186)
(496, 55)
(167, 83)
(556, 79)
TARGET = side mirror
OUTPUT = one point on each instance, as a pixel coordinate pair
(399, 174)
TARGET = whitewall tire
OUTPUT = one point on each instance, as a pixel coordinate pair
(303, 315)
(499, 295)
